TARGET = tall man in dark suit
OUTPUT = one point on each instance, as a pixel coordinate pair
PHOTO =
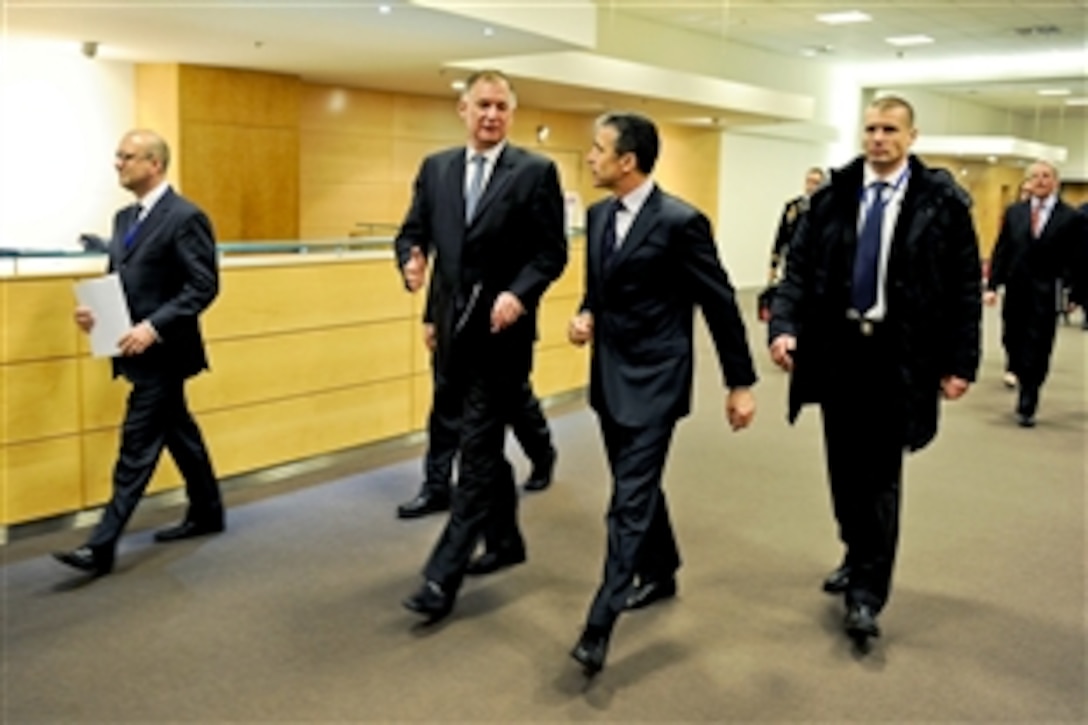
(650, 259)
(1038, 247)
(492, 215)
(878, 317)
(163, 249)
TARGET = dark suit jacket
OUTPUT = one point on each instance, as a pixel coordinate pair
(932, 289)
(515, 243)
(1030, 268)
(170, 275)
(643, 311)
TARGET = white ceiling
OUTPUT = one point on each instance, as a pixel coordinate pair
(352, 42)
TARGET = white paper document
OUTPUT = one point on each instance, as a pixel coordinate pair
(111, 317)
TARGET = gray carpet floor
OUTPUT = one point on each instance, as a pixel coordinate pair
(293, 615)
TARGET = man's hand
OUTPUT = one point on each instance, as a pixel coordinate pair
(580, 330)
(137, 339)
(740, 407)
(84, 318)
(505, 312)
(989, 298)
(953, 388)
(430, 338)
(415, 270)
(782, 351)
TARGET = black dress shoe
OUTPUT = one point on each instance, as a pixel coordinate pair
(189, 529)
(1025, 421)
(86, 559)
(860, 623)
(541, 475)
(430, 601)
(838, 581)
(422, 505)
(492, 561)
(591, 650)
(649, 592)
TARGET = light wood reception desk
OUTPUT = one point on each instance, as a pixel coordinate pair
(309, 354)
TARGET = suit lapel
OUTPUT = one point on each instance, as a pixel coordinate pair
(500, 177)
(640, 228)
(149, 227)
(596, 238)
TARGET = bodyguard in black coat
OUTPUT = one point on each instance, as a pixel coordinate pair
(164, 251)
(648, 265)
(878, 345)
(1040, 248)
(491, 214)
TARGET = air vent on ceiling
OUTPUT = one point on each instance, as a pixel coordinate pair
(1037, 30)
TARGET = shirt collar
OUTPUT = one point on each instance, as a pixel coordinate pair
(1045, 203)
(148, 200)
(491, 154)
(635, 198)
(891, 178)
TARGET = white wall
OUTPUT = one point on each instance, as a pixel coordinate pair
(61, 116)
(1072, 133)
(757, 176)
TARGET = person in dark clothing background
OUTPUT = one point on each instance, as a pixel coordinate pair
(878, 318)
(1038, 251)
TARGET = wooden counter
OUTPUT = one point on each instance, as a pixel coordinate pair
(309, 354)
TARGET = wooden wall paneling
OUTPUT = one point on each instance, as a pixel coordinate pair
(269, 165)
(254, 369)
(560, 369)
(345, 157)
(37, 321)
(221, 96)
(263, 300)
(422, 392)
(158, 108)
(42, 399)
(255, 436)
(553, 320)
(335, 109)
(101, 396)
(572, 282)
(1074, 193)
(335, 210)
(423, 117)
(213, 175)
(99, 455)
(42, 478)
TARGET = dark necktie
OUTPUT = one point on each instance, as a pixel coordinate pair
(475, 186)
(130, 235)
(867, 259)
(609, 240)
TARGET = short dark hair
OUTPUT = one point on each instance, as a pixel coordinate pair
(634, 134)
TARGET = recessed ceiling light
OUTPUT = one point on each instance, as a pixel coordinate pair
(1054, 92)
(905, 40)
(384, 9)
(848, 16)
(458, 85)
(489, 31)
(1080, 101)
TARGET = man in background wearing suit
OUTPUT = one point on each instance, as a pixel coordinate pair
(492, 215)
(1038, 247)
(878, 317)
(163, 249)
(650, 259)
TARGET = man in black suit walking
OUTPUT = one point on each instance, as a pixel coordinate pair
(650, 259)
(163, 249)
(877, 318)
(529, 426)
(492, 215)
(1040, 245)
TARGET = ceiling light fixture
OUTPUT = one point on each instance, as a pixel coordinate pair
(489, 31)
(1054, 92)
(384, 9)
(848, 16)
(1079, 101)
(458, 85)
(907, 40)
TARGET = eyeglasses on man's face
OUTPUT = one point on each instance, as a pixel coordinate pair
(125, 157)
